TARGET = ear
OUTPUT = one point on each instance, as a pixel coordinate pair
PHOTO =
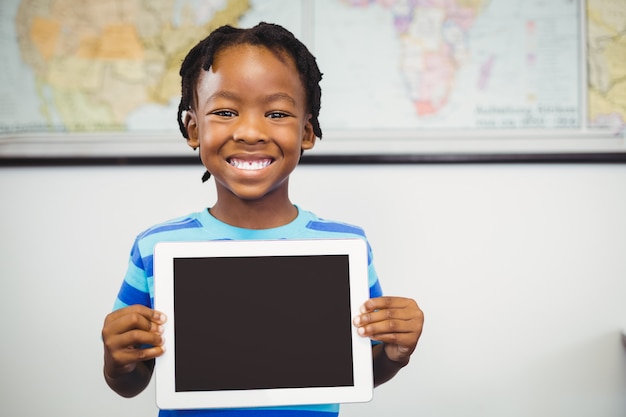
(308, 137)
(191, 125)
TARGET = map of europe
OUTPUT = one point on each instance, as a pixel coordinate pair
(112, 65)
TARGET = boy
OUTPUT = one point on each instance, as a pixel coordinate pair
(250, 103)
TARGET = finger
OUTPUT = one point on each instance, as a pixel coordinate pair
(400, 353)
(124, 361)
(380, 303)
(401, 314)
(133, 318)
(129, 356)
(150, 314)
(395, 309)
(134, 339)
(392, 326)
(133, 346)
(404, 342)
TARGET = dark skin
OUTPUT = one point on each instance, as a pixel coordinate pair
(127, 367)
(395, 321)
(251, 125)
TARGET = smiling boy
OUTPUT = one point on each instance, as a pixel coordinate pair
(250, 104)
(251, 125)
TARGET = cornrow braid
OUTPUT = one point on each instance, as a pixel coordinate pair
(274, 37)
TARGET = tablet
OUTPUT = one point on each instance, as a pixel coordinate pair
(262, 323)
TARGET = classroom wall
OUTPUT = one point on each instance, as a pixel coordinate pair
(520, 270)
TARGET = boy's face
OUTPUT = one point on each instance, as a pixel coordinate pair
(250, 121)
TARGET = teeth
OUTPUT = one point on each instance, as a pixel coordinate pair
(250, 165)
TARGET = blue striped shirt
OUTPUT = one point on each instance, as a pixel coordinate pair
(138, 284)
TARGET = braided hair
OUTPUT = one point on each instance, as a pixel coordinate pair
(274, 37)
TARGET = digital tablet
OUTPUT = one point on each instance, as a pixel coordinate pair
(261, 323)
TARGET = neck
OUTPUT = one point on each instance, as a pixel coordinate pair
(254, 215)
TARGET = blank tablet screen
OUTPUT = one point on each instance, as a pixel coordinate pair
(261, 322)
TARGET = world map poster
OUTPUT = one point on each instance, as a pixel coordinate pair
(400, 76)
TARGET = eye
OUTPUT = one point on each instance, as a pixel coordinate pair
(277, 115)
(224, 113)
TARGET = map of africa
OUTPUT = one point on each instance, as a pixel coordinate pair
(112, 65)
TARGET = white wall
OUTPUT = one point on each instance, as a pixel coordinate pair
(520, 269)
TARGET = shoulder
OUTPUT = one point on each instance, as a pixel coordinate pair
(190, 221)
(179, 228)
(337, 228)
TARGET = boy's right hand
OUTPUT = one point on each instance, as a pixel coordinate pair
(124, 333)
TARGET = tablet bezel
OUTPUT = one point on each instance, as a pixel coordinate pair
(166, 395)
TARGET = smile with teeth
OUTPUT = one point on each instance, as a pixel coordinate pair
(250, 165)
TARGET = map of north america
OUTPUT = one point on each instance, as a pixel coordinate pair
(98, 61)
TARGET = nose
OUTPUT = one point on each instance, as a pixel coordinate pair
(250, 130)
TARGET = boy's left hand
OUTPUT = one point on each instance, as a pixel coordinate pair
(395, 321)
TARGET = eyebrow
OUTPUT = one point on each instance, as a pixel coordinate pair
(270, 98)
(279, 97)
(223, 94)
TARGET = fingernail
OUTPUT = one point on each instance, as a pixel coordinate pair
(357, 320)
